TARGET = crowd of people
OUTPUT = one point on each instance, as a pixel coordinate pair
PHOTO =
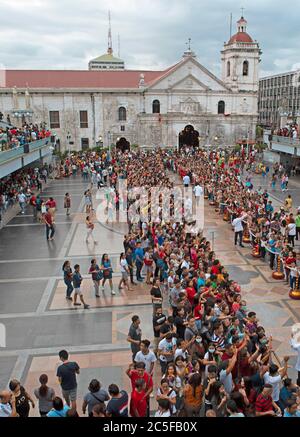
(209, 355)
(289, 130)
(12, 137)
(22, 187)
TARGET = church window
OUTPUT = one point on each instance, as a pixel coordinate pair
(228, 68)
(221, 107)
(245, 68)
(122, 113)
(54, 119)
(83, 116)
(155, 107)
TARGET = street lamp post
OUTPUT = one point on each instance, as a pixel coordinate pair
(99, 143)
(69, 140)
(109, 141)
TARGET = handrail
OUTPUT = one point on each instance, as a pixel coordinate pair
(286, 140)
(16, 152)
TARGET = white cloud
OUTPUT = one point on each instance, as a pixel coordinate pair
(66, 33)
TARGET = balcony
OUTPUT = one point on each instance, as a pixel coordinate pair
(286, 145)
(14, 159)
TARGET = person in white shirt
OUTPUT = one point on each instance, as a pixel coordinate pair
(291, 228)
(186, 180)
(185, 263)
(105, 174)
(274, 377)
(166, 351)
(237, 223)
(198, 191)
(22, 202)
(124, 272)
(146, 356)
(163, 408)
(99, 181)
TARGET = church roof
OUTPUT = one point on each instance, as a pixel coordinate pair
(240, 37)
(106, 58)
(57, 79)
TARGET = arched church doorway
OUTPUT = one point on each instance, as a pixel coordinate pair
(122, 144)
(188, 137)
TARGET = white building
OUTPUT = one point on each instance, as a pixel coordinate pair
(145, 107)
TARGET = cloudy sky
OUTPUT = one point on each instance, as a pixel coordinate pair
(65, 34)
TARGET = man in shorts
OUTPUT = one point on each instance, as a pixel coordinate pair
(66, 374)
(77, 280)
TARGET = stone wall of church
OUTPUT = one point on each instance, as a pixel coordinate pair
(141, 126)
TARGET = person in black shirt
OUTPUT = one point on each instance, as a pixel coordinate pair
(167, 327)
(180, 323)
(158, 320)
(66, 374)
(126, 243)
(22, 398)
(156, 295)
(118, 404)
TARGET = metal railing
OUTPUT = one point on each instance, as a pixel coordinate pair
(38, 144)
(8, 155)
(286, 141)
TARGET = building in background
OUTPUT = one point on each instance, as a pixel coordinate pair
(107, 61)
(279, 100)
(152, 108)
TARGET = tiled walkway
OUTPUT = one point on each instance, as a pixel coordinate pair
(39, 321)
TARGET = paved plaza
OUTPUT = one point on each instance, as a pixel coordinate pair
(40, 321)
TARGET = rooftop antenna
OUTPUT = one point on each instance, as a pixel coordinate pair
(109, 47)
(242, 9)
(230, 31)
(119, 45)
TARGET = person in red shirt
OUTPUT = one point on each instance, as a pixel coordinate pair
(198, 313)
(215, 269)
(264, 404)
(236, 303)
(51, 205)
(191, 292)
(49, 226)
(138, 401)
(32, 202)
(289, 260)
(136, 372)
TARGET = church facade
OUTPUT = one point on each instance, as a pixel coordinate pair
(148, 108)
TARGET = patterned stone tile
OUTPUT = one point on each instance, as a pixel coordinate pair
(231, 258)
(122, 323)
(108, 242)
(140, 295)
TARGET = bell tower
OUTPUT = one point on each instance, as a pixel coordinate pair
(240, 60)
